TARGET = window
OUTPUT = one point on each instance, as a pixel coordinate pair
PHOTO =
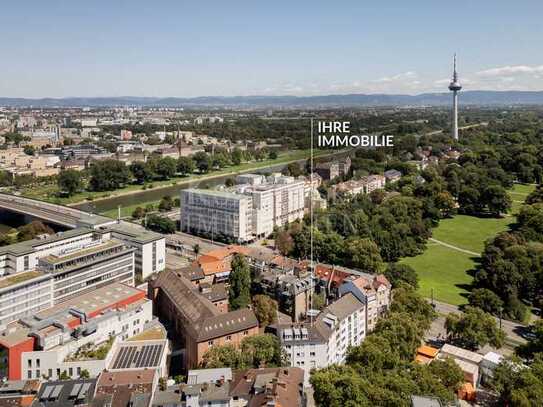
(229, 338)
(245, 333)
(26, 263)
(50, 373)
(38, 374)
(210, 343)
(70, 372)
(29, 362)
(37, 363)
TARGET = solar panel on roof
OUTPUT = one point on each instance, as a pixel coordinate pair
(75, 389)
(84, 389)
(56, 392)
(47, 392)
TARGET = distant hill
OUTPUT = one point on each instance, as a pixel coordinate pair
(476, 97)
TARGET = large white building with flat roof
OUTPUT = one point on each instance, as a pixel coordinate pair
(217, 213)
(250, 211)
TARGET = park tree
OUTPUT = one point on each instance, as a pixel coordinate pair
(486, 300)
(160, 224)
(517, 385)
(265, 309)
(536, 196)
(166, 167)
(185, 165)
(138, 212)
(473, 329)
(239, 295)
(237, 156)
(497, 200)
(202, 161)
(166, 204)
(108, 175)
(398, 273)
(364, 255)
(141, 171)
(69, 182)
(445, 203)
(272, 155)
(534, 345)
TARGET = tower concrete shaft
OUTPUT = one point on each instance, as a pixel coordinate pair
(454, 87)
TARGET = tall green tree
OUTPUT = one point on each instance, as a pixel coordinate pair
(108, 175)
(239, 294)
(364, 255)
(474, 329)
(69, 181)
(185, 165)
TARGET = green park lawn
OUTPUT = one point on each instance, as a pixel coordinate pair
(446, 270)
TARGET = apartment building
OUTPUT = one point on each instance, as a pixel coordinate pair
(364, 185)
(47, 342)
(217, 213)
(196, 320)
(251, 211)
(325, 341)
(304, 345)
(373, 291)
(279, 201)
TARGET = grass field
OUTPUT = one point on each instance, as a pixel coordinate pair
(446, 270)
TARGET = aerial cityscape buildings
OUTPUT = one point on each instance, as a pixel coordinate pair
(279, 213)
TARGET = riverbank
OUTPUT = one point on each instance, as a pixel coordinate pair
(49, 192)
(132, 196)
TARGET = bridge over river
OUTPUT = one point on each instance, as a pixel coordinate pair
(52, 213)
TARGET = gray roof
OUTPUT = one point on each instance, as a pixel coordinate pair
(135, 233)
(343, 307)
(198, 376)
(22, 248)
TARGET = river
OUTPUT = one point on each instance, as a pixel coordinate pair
(153, 195)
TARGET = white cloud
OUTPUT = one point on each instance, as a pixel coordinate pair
(511, 70)
(399, 77)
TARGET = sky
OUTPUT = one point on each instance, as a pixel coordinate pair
(182, 48)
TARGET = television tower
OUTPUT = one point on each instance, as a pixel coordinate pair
(455, 86)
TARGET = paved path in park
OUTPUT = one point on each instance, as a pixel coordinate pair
(450, 246)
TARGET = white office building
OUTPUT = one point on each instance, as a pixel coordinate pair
(217, 213)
